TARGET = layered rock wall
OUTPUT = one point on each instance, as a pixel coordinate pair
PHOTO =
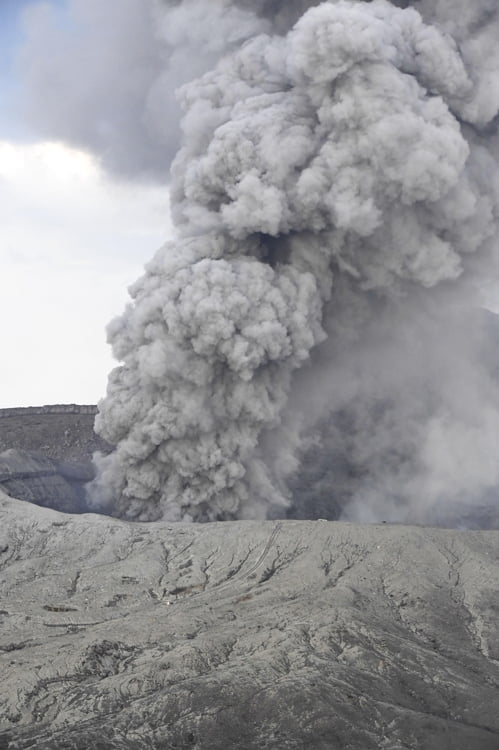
(64, 432)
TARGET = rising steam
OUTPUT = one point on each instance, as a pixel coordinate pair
(307, 344)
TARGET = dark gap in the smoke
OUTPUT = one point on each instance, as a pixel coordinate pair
(273, 250)
(490, 128)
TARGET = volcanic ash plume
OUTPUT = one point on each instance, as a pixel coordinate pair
(335, 200)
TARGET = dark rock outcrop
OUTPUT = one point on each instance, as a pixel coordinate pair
(291, 634)
(64, 432)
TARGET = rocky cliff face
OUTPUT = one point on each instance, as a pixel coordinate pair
(291, 634)
(46, 454)
(64, 432)
(44, 481)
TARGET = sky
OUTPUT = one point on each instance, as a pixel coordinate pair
(72, 238)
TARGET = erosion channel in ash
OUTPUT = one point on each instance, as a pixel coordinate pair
(285, 634)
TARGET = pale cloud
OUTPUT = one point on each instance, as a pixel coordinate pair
(71, 240)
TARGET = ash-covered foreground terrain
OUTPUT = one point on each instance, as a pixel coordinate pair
(286, 634)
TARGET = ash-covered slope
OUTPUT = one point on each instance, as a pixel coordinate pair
(248, 634)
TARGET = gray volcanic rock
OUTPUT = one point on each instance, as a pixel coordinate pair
(41, 480)
(63, 432)
(46, 454)
(290, 634)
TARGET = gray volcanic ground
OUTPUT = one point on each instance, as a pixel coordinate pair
(278, 635)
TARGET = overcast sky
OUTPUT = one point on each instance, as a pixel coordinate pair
(71, 239)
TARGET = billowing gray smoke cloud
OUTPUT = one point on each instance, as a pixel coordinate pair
(306, 339)
(305, 344)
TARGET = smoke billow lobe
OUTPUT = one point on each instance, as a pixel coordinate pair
(306, 339)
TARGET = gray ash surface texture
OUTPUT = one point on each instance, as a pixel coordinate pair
(290, 635)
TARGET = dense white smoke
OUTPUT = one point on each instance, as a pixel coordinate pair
(306, 343)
